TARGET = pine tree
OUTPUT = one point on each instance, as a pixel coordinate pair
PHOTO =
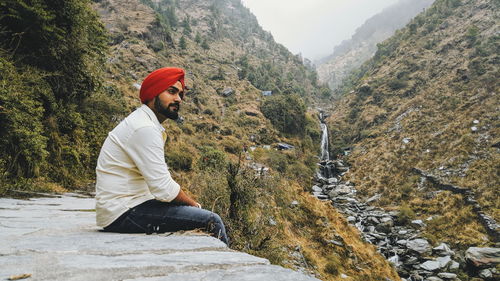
(205, 45)
(182, 43)
(187, 26)
(197, 38)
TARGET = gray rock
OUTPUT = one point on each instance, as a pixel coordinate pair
(454, 265)
(431, 265)
(443, 250)
(433, 278)
(444, 261)
(294, 204)
(373, 198)
(418, 223)
(316, 188)
(351, 219)
(332, 180)
(485, 273)
(446, 275)
(420, 246)
(56, 239)
(483, 257)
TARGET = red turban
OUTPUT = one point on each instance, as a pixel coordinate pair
(160, 80)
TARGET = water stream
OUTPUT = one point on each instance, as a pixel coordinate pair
(402, 245)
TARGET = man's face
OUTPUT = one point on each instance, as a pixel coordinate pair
(168, 102)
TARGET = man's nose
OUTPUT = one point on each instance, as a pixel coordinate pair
(178, 98)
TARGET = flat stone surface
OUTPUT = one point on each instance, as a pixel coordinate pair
(56, 239)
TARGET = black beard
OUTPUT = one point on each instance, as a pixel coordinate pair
(166, 111)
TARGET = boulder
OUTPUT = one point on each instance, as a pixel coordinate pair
(443, 250)
(418, 223)
(420, 246)
(483, 257)
(332, 180)
(431, 265)
(433, 278)
(316, 188)
(485, 273)
(444, 261)
(446, 275)
(226, 92)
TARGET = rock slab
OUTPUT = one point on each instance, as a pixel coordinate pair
(56, 239)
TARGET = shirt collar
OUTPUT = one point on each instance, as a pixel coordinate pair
(152, 116)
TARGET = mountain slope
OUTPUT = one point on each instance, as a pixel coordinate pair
(221, 152)
(429, 100)
(350, 54)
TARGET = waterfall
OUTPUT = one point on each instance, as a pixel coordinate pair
(325, 155)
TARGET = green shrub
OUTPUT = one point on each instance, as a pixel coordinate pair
(211, 158)
(179, 158)
(286, 113)
(406, 215)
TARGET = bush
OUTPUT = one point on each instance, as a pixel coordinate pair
(406, 215)
(179, 158)
(286, 112)
(211, 158)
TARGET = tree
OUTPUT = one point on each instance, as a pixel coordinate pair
(197, 38)
(286, 112)
(187, 26)
(182, 43)
(205, 45)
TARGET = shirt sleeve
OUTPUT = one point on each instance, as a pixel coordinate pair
(146, 148)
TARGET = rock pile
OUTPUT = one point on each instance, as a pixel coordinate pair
(403, 245)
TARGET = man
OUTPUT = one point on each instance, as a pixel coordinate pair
(134, 190)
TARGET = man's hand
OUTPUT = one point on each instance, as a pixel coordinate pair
(183, 198)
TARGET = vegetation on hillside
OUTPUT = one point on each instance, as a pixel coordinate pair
(52, 98)
(429, 99)
(57, 105)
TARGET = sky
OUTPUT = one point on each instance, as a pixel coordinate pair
(313, 27)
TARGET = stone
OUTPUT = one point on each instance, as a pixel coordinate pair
(444, 261)
(418, 223)
(446, 275)
(294, 204)
(431, 265)
(420, 246)
(483, 257)
(317, 188)
(56, 239)
(433, 278)
(272, 222)
(334, 242)
(406, 140)
(443, 250)
(473, 128)
(485, 273)
(332, 180)
(227, 92)
(351, 219)
(373, 198)
(343, 276)
(454, 265)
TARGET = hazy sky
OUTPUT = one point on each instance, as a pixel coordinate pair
(313, 27)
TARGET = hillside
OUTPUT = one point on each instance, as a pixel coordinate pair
(429, 100)
(223, 152)
(352, 53)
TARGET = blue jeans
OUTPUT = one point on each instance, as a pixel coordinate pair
(160, 217)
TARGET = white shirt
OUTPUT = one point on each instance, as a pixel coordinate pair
(131, 167)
